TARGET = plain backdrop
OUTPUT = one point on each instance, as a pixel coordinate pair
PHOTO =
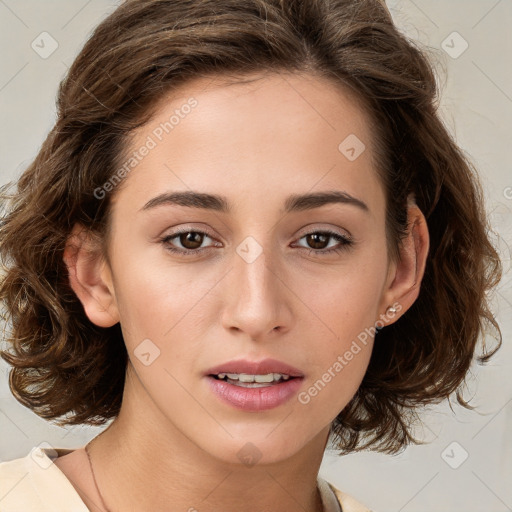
(466, 463)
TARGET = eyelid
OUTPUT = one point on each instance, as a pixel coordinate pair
(189, 229)
(333, 231)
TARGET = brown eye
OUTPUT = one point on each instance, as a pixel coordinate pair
(318, 242)
(187, 242)
(191, 240)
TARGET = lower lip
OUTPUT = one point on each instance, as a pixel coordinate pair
(255, 399)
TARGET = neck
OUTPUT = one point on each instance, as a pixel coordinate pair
(147, 451)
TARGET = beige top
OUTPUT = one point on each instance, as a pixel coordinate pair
(34, 484)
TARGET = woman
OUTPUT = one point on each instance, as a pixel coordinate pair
(247, 231)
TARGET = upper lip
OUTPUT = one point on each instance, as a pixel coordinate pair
(262, 367)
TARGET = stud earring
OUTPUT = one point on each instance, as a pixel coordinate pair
(391, 310)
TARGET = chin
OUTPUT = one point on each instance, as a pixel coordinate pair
(264, 446)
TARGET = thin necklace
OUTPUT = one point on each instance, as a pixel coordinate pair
(94, 477)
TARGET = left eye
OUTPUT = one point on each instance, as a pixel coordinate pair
(320, 237)
(191, 242)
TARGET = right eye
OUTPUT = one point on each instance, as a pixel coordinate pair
(189, 239)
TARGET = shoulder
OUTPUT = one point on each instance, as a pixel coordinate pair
(34, 483)
(346, 501)
(16, 487)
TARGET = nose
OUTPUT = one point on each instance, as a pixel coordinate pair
(257, 294)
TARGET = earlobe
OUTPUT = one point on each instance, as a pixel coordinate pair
(408, 273)
(89, 277)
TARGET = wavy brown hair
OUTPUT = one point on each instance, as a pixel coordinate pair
(67, 369)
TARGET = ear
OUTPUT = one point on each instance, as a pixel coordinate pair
(90, 276)
(405, 276)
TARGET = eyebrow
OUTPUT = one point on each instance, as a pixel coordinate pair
(293, 203)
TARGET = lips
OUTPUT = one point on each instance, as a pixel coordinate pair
(254, 397)
(263, 367)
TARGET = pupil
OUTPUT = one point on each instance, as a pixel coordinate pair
(191, 237)
(315, 237)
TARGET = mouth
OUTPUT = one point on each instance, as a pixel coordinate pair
(266, 371)
(254, 386)
(245, 380)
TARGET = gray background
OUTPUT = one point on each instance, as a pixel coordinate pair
(476, 105)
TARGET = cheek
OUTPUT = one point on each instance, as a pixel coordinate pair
(345, 307)
(330, 390)
(163, 302)
(344, 301)
(338, 361)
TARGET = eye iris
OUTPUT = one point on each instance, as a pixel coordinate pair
(196, 239)
(314, 237)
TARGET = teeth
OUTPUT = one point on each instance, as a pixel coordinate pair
(265, 378)
(244, 377)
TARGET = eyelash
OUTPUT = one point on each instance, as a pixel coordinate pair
(346, 243)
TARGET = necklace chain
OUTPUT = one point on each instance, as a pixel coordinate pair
(94, 476)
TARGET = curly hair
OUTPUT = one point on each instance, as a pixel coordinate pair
(66, 368)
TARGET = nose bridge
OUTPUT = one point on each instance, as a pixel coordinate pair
(253, 265)
(257, 302)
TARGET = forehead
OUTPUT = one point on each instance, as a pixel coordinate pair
(265, 100)
(273, 134)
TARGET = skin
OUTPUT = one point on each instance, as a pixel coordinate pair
(254, 143)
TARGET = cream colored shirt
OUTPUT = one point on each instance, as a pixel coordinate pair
(34, 484)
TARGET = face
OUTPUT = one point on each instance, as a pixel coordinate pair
(256, 272)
